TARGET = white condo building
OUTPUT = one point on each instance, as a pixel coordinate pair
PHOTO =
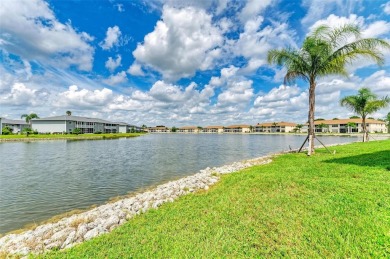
(67, 123)
(15, 125)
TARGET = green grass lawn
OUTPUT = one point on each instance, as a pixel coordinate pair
(297, 206)
(70, 136)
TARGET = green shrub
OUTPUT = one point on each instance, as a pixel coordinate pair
(27, 131)
(76, 131)
(7, 131)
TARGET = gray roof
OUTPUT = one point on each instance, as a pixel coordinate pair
(73, 118)
(126, 124)
(7, 121)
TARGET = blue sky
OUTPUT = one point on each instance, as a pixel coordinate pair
(175, 62)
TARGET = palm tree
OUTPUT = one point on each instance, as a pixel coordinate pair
(273, 128)
(351, 125)
(30, 116)
(299, 127)
(388, 121)
(323, 126)
(69, 113)
(325, 52)
(364, 103)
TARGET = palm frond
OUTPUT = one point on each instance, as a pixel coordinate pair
(341, 35)
(363, 47)
(291, 76)
(375, 105)
(320, 31)
(293, 60)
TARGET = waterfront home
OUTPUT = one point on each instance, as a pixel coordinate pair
(213, 129)
(124, 127)
(158, 129)
(67, 123)
(275, 127)
(348, 126)
(16, 126)
(189, 129)
(237, 129)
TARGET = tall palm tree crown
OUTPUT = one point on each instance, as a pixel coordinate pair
(30, 116)
(326, 51)
(364, 103)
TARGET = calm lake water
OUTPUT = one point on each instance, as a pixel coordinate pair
(42, 179)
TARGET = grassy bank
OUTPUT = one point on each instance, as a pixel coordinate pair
(298, 206)
(4, 138)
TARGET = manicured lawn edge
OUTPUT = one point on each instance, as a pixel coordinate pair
(322, 206)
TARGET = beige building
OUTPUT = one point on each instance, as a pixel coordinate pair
(189, 129)
(213, 129)
(275, 127)
(348, 126)
(237, 129)
(158, 129)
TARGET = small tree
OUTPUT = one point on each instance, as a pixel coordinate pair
(274, 124)
(364, 103)
(299, 127)
(351, 125)
(174, 129)
(76, 131)
(27, 131)
(354, 117)
(69, 113)
(322, 126)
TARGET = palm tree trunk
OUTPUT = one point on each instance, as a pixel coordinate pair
(365, 133)
(311, 116)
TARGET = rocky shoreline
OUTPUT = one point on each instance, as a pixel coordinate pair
(77, 228)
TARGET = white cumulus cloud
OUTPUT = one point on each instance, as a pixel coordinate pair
(136, 70)
(116, 79)
(386, 7)
(112, 38)
(30, 30)
(20, 94)
(255, 42)
(178, 46)
(237, 93)
(112, 64)
(75, 97)
(253, 8)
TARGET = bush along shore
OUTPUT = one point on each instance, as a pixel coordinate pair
(81, 227)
